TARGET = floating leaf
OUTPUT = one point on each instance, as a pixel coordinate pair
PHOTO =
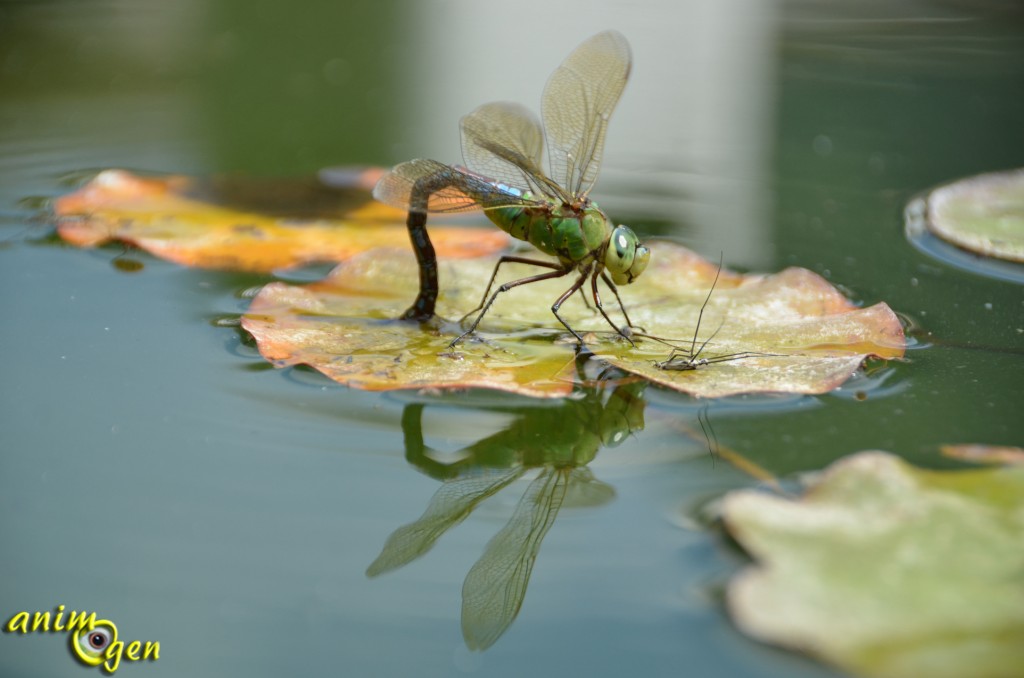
(983, 214)
(344, 326)
(888, 570)
(985, 454)
(245, 225)
(810, 336)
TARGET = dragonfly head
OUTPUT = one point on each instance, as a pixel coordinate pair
(625, 257)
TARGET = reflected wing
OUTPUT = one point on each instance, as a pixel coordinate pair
(495, 586)
(449, 506)
(430, 186)
(578, 100)
(503, 141)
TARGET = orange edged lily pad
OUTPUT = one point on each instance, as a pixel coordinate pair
(799, 333)
(245, 228)
(344, 326)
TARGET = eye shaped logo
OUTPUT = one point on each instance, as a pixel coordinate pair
(93, 642)
(90, 645)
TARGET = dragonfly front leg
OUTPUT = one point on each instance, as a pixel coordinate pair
(622, 307)
(600, 307)
(516, 283)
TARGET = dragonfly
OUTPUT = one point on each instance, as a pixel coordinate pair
(502, 146)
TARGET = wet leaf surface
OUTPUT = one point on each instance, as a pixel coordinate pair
(888, 570)
(344, 326)
(246, 225)
(983, 214)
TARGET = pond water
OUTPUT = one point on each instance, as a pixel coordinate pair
(155, 470)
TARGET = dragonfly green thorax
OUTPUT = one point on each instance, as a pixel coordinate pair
(502, 147)
(578, 237)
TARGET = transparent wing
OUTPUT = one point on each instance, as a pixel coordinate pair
(503, 141)
(430, 186)
(496, 585)
(578, 101)
(449, 506)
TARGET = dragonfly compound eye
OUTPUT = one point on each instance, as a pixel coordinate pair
(626, 257)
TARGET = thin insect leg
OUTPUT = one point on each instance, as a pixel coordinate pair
(700, 315)
(694, 356)
(586, 302)
(600, 307)
(505, 288)
(565, 295)
(494, 274)
(423, 308)
(615, 291)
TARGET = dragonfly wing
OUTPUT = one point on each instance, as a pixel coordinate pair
(496, 585)
(449, 506)
(578, 101)
(504, 142)
(430, 186)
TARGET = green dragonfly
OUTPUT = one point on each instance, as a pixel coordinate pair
(502, 148)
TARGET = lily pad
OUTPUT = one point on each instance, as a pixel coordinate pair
(344, 326)
(245, 226)
(985, 454)
(982, 214)
(888, 570)
(809, 336)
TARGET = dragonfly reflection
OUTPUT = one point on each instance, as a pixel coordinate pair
(573, 433)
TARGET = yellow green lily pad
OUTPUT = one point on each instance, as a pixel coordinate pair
(888, 570)
(982, 214)
(344, 326)
(245, 227)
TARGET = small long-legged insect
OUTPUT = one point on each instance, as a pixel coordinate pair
(681, 361)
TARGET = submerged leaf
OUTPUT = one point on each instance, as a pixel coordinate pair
(247, 226)
(344, 326)
(888, 570)
(983, 214)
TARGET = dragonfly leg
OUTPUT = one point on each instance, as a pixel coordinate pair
(423, 308)
(516, 283)
(622, 307)
(600, 307)
(565, 295)
(508, 260)
(586, 302)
